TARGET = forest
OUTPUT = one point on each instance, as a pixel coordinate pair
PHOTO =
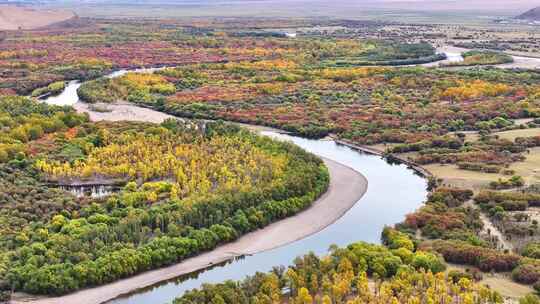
(186, 187)
(358, 273)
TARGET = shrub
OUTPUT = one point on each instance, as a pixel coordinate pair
(532, 250)
(514, 181)
(456, 275)
(484, 258)
(528, 272)
(395, 239)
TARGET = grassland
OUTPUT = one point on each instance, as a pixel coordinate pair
(529, 168)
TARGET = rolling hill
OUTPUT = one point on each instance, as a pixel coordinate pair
(533, 15)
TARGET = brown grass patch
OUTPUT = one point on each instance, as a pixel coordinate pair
(500, 282)
(511, 135)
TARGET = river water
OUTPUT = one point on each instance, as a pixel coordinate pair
(393, 191)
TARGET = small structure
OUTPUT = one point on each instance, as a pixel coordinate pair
(290, 35)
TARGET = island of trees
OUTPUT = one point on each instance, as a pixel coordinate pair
(184, 188)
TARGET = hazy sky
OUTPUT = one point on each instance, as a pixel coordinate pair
(486, 4)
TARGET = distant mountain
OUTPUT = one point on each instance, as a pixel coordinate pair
(533, 15)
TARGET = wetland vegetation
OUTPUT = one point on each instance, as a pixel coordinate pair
(186, 186)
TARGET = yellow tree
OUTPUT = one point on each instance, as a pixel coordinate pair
(303, 297)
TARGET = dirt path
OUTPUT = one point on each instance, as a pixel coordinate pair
(490, 229)
(494, 231)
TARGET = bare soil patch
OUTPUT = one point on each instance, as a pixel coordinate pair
(500, 282)
(512, 134)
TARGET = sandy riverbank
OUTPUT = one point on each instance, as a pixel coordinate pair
(346, 188)
(121, 111)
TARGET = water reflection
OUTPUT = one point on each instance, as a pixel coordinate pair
(393, 191)
(67, 97)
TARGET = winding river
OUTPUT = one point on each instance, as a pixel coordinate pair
(454, 54)
(394, 190)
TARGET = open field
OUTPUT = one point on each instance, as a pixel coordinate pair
(529, 169)
(475, 12)
(508, 288)
(512, 134)
(14, 17)
(501, 282)
(453, 176)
